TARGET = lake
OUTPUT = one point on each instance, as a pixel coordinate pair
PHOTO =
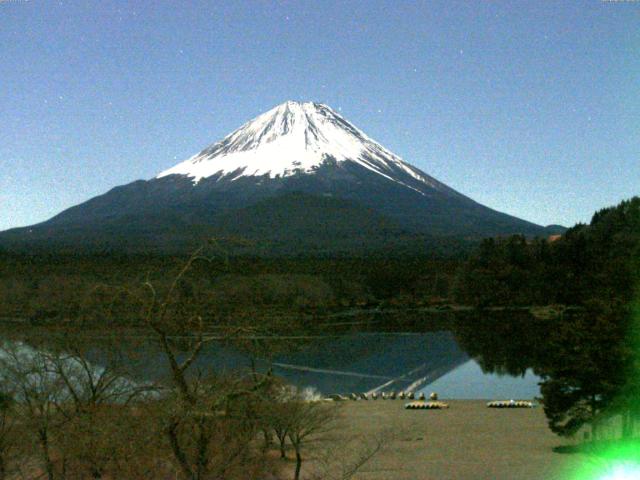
(354, 362)
(376, 362)
(469, 382)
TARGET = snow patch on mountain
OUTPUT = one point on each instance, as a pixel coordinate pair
(293, 138)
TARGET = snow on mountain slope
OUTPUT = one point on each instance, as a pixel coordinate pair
(298, 179)
(293, 138)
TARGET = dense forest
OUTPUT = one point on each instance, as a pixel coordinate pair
(587, 354)
(51, 289)
(589, 263)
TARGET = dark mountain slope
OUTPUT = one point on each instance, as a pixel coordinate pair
(299, 176)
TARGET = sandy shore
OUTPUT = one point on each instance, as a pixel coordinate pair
(467, 441)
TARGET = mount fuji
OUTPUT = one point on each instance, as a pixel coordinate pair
(298, 178)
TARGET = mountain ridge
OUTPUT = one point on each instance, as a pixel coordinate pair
(301, 135)
(295, 148)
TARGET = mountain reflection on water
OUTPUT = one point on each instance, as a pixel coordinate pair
(353, 362)
(431, 361)
(367, 362)
(358, 361)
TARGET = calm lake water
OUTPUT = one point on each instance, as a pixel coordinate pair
(468, 381)
(357, 362)
(418, 361)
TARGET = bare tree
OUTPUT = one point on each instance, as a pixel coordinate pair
(275, 413)
(205, 417)
(278, 418)
(9, 438)
(89, 419)
(344, 458)
(28, 373)
(315, 432)
(95, 401)
(76, 411)
(308, 422)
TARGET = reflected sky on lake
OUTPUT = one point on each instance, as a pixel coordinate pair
(469, 382)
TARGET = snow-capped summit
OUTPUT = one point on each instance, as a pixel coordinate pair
(294, 137)
(296, 179)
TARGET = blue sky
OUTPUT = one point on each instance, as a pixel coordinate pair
(532, 108)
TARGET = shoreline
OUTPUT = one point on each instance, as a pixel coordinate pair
(467, 441)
